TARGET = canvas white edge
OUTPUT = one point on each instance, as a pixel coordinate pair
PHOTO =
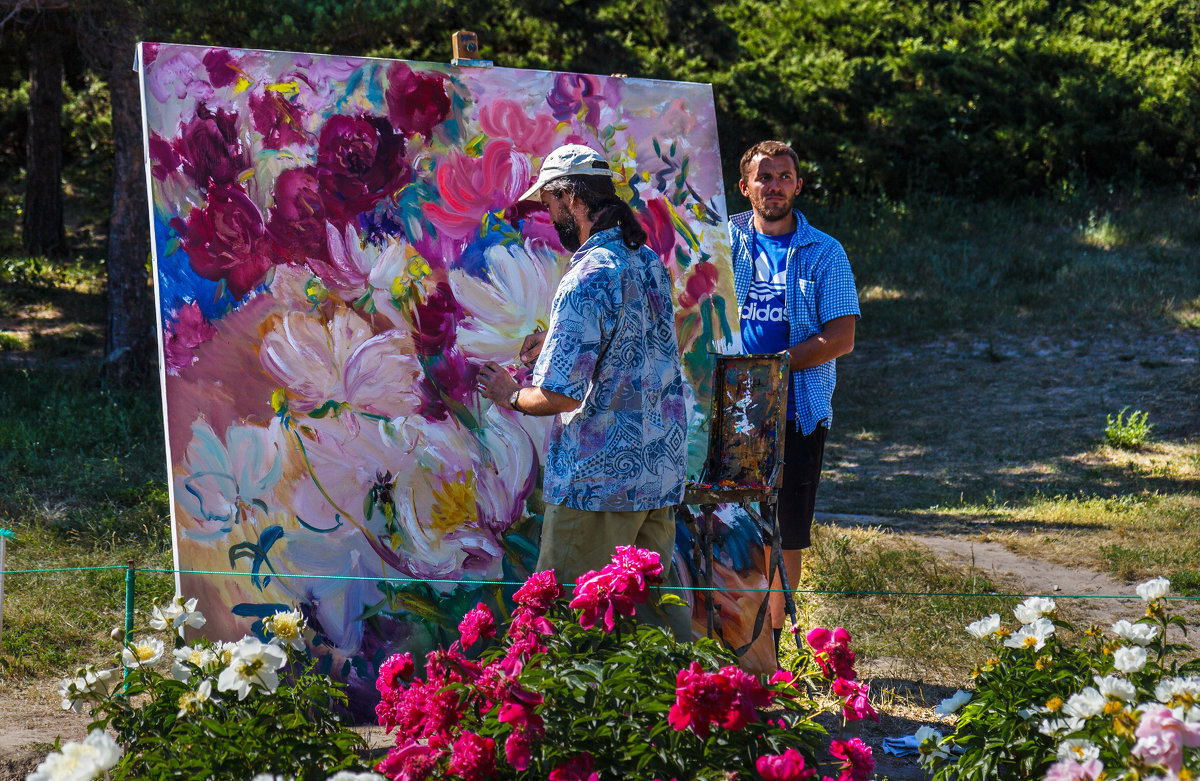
(162, 357)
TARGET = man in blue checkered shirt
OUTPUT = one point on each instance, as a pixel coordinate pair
(795, 293)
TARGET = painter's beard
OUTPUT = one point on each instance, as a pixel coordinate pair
(568, 232)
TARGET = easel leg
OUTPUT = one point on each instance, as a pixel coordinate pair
(777, 557)
(707, 539)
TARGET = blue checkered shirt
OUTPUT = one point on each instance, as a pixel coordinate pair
(820, 287)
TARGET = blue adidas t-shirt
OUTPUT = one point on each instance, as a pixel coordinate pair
(764, 315)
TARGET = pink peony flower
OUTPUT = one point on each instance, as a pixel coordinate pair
(517, 749)
(1070, 769)
(529, 622)
(857, 762)
(1161, 738)
(472, 186)
(210, 149)
(360, 161)
(660, 231)
(637, 570)
(477, 623)
(749, 697)
(473, 757)
(700, 699)
(280, 121)
(600, 596)
(788, 766)
(413, 761)
(578, 768)
(832, 652)
(392, 672)
(539, 592)
(856, 707)
(700, 284)
(519, 710)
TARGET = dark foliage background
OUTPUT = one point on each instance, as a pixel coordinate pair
(977, 98)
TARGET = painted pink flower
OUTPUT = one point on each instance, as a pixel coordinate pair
(749, 697)
(360, 161)
(573, 92)
(416, 102)
(700, 284)
(788, 766)
(857, 762)
(297, 219)
(855, 707)
(178, 73)
(539, 592)
(504, 118)
(469, 187)
(476, 624)
(222, 68)
(832, 652)
(224, 240)
(187, 330)
(473, 757)
(163, 158)
(1161, 738)
(210, 149)
(578, 768)
(436, 320)
(660, 231)
(414, 761)
(280, 121)
(1070, 769)
(701, 698)
(599, 596)
(392, 674)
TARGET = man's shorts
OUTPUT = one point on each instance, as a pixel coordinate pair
(802, 455)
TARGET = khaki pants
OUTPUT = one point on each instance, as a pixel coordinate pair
(578, 541)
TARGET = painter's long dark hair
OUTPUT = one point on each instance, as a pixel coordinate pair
(605, 208)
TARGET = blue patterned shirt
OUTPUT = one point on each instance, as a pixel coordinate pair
(611, 344)
(820, 287)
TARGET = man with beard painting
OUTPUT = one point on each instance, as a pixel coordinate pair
(609, 371)
(795, 295)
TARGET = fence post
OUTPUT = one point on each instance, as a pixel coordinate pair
(3, 534)
(130, 581)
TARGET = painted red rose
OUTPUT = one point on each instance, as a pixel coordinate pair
(416, 102)
(360, 161)
(209, 148)
(224, 240)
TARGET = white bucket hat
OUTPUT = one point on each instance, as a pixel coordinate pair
(568, 160)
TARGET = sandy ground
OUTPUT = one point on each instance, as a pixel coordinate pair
(31, 718)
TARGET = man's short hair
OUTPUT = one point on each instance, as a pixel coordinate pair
(767, 149)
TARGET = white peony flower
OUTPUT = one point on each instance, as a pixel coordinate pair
(1138, 633)
(953, 703)
(1181, 695)
(1114, 688)
(146, 651)
(1129, 659)
(346, 775)
(1078, 749)
(200, 657)
(1032, 636)
(91, 686)
(190, 703)
(269, 777)
(984, 626)
(288, 628)
(1086, 704)
(1053, 727)
(1033, 608)
(1154, 589)
(254, 663)
(929, 750)
(178, 613)
(92, 758)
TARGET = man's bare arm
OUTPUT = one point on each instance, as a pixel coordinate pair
(834, 340)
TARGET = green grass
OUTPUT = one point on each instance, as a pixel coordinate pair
(81, 485)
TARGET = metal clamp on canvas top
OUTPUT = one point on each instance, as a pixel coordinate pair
(465, 45)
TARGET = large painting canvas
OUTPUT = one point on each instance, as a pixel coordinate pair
(337, 248)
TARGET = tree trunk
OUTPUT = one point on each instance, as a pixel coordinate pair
(42, 222)
(131, 343)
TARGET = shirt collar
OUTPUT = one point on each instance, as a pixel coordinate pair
(598, 239)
